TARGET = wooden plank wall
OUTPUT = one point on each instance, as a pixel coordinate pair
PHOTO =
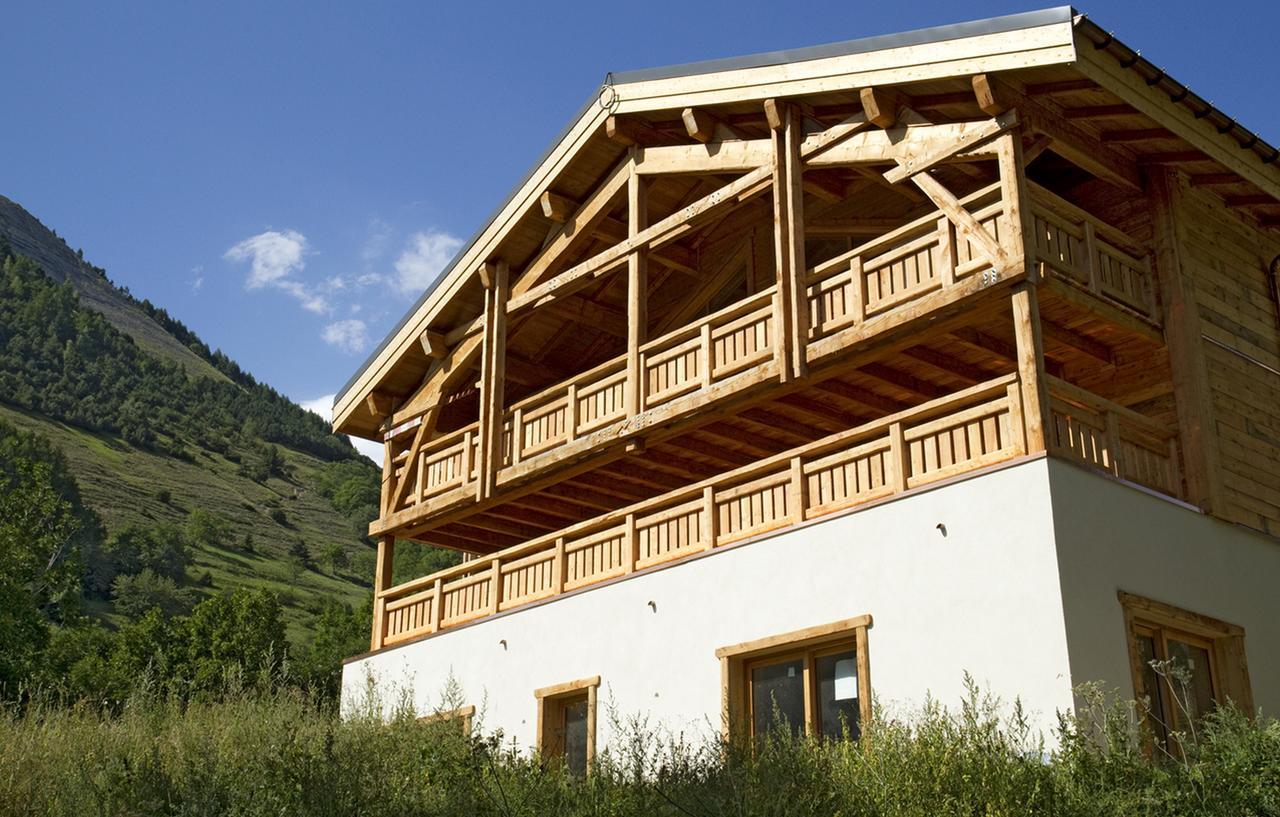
(1228, 259)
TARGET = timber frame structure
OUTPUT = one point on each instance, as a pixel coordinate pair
(741, 295)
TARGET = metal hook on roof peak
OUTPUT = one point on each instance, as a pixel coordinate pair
(607, 97)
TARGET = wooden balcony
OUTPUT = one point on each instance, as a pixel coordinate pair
(853, 299)
(957, 434)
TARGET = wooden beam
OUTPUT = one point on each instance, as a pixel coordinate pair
(1031, 374)
(492, 374)
(987, 94)
(1098, 112)
(1114, 137)
(791, 312)
(1070, 141)
(1068, 86)
(1212, 179)
(1193, 397)
(903, 380)
(1081, 343)
(881, 106)
(556, 207)
(910, 164)
(1172, 157)
(632, 130)
(1038, 144)
(381, 582)
(445, 374)
(379, 404)
(1250, 200)
(705, 126)
(948, 364)
(863, 397)
(637, 289)
(870, 226)
(433, 344)
(678, 223)
(574, 231)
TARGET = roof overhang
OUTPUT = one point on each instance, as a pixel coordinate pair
(1050, 37)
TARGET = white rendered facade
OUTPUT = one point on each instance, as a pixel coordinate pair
(1010, 575)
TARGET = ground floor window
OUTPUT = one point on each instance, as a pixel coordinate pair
(815, 681)
(461, 716)
(1185, 664)
(567, 723)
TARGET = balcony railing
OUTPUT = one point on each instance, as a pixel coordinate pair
(907, 272)
(968, 430)
(1092, 255)
(1112, 438)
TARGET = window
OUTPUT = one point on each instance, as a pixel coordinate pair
(462, 716)
(1184, 663)
(567, 723)
(815, 681)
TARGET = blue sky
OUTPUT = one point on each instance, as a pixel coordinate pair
(286, 178)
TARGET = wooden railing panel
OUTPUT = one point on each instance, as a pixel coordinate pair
(595, 558)
(849, 477)
(1105, 435)
(601, 403)
(669, 534)
(755, 507)
(466, 598)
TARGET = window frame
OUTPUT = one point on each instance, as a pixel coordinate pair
(462, 714)
(1223, 642)
(551, 706)
(808, 644)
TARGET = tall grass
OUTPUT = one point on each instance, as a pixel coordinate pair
(283, 754)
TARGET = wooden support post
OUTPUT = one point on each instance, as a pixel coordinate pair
(495, 585)
(571, 412)
(1016, 424)
(796, 490)
(631, 543)
(388, 476)
(1090, 246)
(946, 252)
(560, 566)
(706, 356)
(1115, 461)
(898, 458)
(1013, 194)
(1030, 346)
(492, 379)
(859, 279)
(637, 289)
(791, 302)
(437, 605)
(1181, 316)
(707, 530)
(381, 582)
(517, 435)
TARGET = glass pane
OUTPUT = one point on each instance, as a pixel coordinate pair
(1155, 687)
(575, 736)
(777, 694)
(838, 695)
(1195, 688)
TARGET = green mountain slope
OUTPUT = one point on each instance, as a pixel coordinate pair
(163, 435)
(32, 239)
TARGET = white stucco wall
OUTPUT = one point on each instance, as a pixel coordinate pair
(983, 598)
(1114, 537)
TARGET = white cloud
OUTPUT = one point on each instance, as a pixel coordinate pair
(350, 335)
(323, 406)
(274, 260)
(423, 259)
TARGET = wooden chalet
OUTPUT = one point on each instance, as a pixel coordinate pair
(969, 331)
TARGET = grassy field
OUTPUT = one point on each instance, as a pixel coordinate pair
(123, 485)
(280, 754)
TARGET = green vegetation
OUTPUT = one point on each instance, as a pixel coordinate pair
(255, 753)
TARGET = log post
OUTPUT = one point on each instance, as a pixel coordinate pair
(381, 582)
(1181, 316)
(1017, 205)
(1031, 376)
(637, 289)
(492, 377)
(791, 301)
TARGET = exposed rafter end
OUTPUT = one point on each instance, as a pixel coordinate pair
(630, 130)
(881, 106)
(433, 344)
(379, 404)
